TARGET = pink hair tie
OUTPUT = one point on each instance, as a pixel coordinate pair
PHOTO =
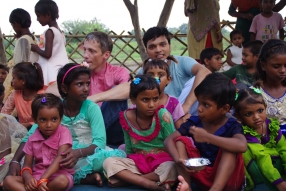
(84, 64)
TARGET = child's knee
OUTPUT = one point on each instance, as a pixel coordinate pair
(180, 144)
(9, 180)
(61, 181)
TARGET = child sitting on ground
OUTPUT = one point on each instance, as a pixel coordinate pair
(145, 128)
(211, 58)
(160, 70)
(244, 73)
(267, 24)
(265, 157)
(216, 137)
(4, 70)
(44, 148)
(234, 53)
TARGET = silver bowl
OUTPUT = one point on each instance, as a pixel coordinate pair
(197, 163)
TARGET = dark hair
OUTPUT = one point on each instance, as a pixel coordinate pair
(268, 50)
(2, 90)
(146, 83)
(47, 7)
(155, 32)
(235, 32)
(217, 88)
(4, 67)
(208, 53)
(72, 75)
(20, 16)
(47, 100)
(102, 38)
(248, 96)
(31, 73)
(254, 46)
(162, 64)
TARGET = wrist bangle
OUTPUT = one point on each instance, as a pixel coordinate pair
(41, 181)
(218, 31)
(80, 152)
(26, 168)
(14, 161)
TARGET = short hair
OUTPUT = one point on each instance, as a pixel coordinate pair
(208, 53)
(31, 73)
(254, 46)
(2, 90)
(47, 7)
(155, 32)
(20, 16)
(235, 32)
(217, 88)
(248, 96)
(72, 75)
(48, 100)
(4, 67)
(146, 83)
(101, 38)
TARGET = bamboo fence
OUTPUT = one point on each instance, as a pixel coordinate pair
(125, 50)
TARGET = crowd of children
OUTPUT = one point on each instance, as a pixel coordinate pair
(239, 127)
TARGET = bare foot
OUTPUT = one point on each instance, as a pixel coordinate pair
(183, 185)
(92, 179)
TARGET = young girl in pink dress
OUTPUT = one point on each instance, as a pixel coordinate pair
(45, 148)
(27, 83)
(52, 43)
(145, 128)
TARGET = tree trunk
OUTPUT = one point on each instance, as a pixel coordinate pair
(3, 59)
(165, 14)
(133, 10)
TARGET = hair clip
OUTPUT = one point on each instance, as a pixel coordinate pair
(157, 80)
(256, 90)
(236, 96)
(166, 60)
(136, 81)
(149, 60)
(34, 65)
(85, 64)
(44, 100)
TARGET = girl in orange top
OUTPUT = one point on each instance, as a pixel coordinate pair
(27, 82)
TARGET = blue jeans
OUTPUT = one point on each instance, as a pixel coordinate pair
(110, 112)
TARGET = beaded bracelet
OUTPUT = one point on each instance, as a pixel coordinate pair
(41, 181)
(26, 168)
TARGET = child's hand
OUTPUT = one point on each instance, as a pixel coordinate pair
(71, 158)
(181, 163)
(43, 187)
(34, 47)
(281, 186)
(30, 184)
(199, 134)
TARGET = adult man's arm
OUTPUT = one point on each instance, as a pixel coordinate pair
(200, 72)
(119, 92)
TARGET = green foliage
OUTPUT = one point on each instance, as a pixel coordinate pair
(83, 26)
(183, 28)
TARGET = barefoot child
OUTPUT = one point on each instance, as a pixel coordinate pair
(52, 43)
(145, 128)
(271, 73)
(27, 83)
(84, 119)
(216, 137)
(160, 70)
(265, 157)
(44, 148)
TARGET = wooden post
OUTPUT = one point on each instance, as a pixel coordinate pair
(3, 59)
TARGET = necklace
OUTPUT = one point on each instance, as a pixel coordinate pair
(137, 120)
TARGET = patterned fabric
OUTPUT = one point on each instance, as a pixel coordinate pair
(175, 108)
(276, 108)
(262, 150)
(150, 141)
